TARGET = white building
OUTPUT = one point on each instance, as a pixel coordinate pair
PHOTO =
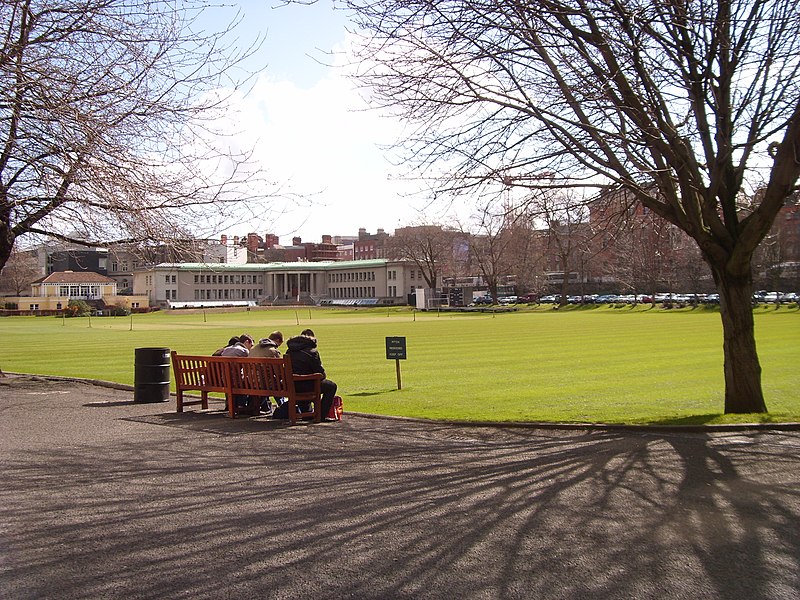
(377, 281)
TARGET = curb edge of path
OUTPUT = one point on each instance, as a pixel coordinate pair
(787, 426)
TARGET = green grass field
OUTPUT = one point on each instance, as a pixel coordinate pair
(616, 365)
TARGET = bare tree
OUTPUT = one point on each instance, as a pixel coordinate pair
(528, 249)
(106, 121)
(568, 234)
(21, 269)
(491, 246)
(428, 246)
(675, 102)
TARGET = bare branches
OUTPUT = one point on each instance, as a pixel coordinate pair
(681, 95)
(107, 111)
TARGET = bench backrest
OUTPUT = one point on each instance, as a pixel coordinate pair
(238, 376)
(262, 376)
(234, 375)
(209, 373)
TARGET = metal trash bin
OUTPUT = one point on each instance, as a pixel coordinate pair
(151, 375)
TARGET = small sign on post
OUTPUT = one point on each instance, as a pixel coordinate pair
(396, 349)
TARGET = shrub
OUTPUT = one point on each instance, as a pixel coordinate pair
(77, 308)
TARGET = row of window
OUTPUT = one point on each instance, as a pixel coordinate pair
(79, 291)
(229, 279)
(116, 267)
(353, 292)
(227, 294)
(351, 276)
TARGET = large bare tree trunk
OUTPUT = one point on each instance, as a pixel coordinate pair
(743, 392)
(6, 239)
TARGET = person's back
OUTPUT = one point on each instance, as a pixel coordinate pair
(241, 348)
(302, 349)
(231, 342)
(268, 347)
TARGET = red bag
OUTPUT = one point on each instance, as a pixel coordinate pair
(336, 409)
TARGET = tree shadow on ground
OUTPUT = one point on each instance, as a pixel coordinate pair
(214, 507)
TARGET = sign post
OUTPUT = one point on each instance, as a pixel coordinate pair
(396, 349)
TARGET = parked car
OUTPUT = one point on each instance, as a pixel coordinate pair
(482, 300)
(527, 298)
(507, 300)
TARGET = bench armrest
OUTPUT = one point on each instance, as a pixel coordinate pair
(310, 377)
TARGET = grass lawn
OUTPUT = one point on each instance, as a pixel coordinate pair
(617, 365)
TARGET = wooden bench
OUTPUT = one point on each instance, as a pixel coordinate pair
(254, 377)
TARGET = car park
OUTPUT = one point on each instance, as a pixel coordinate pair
(527, 298)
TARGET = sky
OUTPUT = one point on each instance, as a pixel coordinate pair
(312, 131)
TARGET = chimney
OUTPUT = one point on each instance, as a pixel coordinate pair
(252, 242)
(236, 240)
(362, 233)
(296, 241)
(223, 239)
(326, 239)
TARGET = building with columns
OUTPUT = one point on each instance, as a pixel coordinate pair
(376, 281)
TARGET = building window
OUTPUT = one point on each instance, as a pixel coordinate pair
(174, 279)
(34, 307)
(166, 278)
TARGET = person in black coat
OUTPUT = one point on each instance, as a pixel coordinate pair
(302, 349)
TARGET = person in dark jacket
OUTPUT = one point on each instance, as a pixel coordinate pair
(302, 349)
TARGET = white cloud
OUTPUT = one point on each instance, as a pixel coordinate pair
(322, 142)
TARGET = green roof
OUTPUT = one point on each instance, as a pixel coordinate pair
(278, 266)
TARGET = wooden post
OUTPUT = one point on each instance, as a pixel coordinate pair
(399, 383)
